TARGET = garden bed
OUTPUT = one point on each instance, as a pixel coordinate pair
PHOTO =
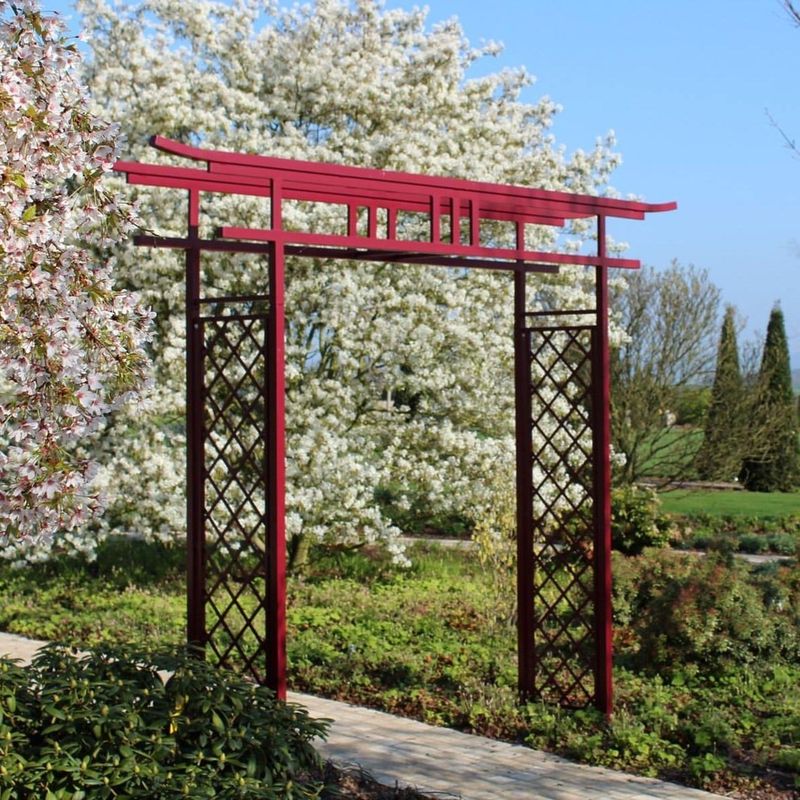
(742, 522)
(707, 654)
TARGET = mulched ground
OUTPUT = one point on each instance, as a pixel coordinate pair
(353, 783)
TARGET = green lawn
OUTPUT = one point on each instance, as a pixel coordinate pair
(731, 503)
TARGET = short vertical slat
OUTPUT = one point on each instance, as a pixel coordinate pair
(391, 223)
(474, 222)
(435, 211)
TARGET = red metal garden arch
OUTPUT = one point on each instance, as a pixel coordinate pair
(235, 359)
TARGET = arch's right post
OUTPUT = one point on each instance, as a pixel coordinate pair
(601, 445)
(275, 554)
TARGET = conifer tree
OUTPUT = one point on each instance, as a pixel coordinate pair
(717, 459)
(778, 467)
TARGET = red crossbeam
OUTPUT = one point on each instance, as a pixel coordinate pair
(450, 203)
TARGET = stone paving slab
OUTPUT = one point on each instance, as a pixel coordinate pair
(18, 647)
(448, 763)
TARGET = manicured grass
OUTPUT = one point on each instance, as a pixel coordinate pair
(731, 503)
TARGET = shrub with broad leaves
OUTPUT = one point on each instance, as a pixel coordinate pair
(105, 724)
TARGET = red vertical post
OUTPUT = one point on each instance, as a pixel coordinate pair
(526, 667)
(601, 446)
(275, 640)
(195, 455)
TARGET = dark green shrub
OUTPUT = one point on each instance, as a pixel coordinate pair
(697, 539)
(713, 731)
(673, 610)
(636, 521)
(409, 509)
(128, 560)
(691, 405)
(785, 544)
(104, 725)
(788, 759)
(748, 534)
(752, 543)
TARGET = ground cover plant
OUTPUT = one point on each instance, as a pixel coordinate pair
(707, 665)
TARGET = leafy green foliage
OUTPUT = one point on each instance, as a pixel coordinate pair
(705, 688)
(711, 614)
(413, 514)
(691, 405)
(636, 520)
(738, 532)
(133, 592)
(105, 724)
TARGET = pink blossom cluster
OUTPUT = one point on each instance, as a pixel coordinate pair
(71, 345)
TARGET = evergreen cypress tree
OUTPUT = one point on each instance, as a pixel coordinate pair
(717, 458)
(778, 468)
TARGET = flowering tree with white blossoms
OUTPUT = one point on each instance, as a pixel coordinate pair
(398, 376)
(71, 345)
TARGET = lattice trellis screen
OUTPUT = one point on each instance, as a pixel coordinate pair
(562, 472)
(235, 512)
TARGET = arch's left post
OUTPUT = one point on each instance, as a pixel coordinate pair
(275, 640)
(195, 457)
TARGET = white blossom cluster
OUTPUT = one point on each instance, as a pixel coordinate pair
(71, 345)
(397, 376)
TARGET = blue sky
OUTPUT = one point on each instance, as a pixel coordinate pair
(685, 85)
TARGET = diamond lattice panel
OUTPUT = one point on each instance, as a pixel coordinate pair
(234, 432)
(563, 514)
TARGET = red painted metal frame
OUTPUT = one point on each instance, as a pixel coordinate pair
(601, 444)
(388, 198)
(276, 472)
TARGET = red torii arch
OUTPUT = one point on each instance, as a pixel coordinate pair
(553, 614)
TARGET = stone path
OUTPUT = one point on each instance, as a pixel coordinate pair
(450, 764)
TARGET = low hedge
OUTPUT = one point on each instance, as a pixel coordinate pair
(105, 725)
